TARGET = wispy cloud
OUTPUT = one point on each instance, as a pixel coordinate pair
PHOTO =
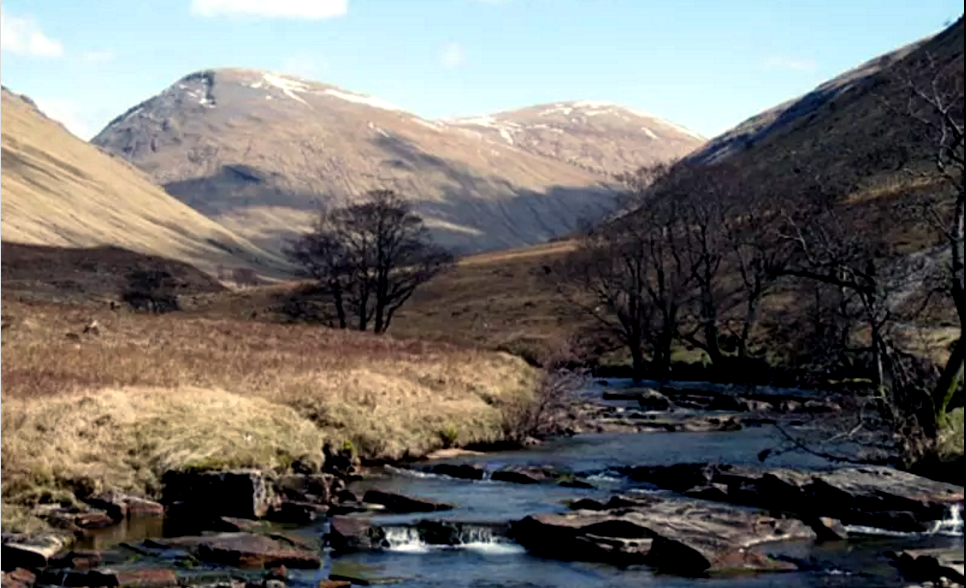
(789, 63)
(452, 56)
(21, 35)
(295, 9)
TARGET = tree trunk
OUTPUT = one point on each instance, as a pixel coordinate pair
(711, 336)
(638, 365)
(949, 381)
(751, 316)
(339, 306)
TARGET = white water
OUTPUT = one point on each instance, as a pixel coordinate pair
(949, 526)
(476, 539)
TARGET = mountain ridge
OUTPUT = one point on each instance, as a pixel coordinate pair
(61, 191)
(259, 152)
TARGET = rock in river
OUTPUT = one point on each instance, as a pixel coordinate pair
(870, 496)
(686, 537)
(246, 550)
(247, 494)
(398, 503)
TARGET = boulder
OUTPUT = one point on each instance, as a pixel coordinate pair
(246, 550)
(400, 504)
(870, 496)
(17, 578)
(247, 494)
(82, 560)
(34, 551)
(463, 471)
(522, 476)
(653, 400)
(682, 537)
(930, 565)
(128, 578)
(120, 505)
(348, 534)
(295, 512)
(318, 488)
(146, 578)
(677, 478)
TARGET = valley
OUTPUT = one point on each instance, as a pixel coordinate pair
(624, 353)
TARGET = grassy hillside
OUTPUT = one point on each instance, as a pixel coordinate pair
(146, 394)
(61, 191)
(88, 273)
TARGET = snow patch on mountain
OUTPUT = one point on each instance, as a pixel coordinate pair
(361, 99)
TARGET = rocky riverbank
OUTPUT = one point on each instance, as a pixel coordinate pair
(261, 529)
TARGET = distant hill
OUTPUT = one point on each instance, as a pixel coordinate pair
(597, 136)
(258, 151)
(60, 191)
(844, 123)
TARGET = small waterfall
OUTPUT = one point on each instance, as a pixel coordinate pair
(483, 540)
(405, 539)
(421, 538)
(951, 524)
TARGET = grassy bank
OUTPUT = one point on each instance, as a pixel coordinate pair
(84, 411)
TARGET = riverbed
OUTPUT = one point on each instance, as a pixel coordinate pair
(484, 557)
(487, 561)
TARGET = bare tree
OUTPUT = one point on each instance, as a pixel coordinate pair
(937, 105)
(630, 274)
(323, 257)
(369, 258)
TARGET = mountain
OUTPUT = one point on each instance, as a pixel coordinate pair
(845, 123)
(258, 152)
(601, 137)
(61, 191)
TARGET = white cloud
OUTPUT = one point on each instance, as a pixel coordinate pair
(22, 36)
(452, 55)
(70, 114)
(98, 56)
(790, 63)
(305, 9)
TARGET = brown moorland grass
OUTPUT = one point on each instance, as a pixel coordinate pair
(153, 393)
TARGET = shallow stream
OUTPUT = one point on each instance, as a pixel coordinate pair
(487, 560)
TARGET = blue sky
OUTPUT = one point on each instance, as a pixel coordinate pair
(705, 64)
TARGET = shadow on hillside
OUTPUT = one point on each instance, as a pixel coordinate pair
(509, 216)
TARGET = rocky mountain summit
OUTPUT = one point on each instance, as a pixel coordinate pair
(258, 152)
(600, 137)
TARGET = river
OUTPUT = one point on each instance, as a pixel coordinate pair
(484, 561)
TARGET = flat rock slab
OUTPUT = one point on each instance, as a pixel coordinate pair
(32, 551)
(246, 550)
(401, 504)
(931, 565)
(871, 496)
(684, 537)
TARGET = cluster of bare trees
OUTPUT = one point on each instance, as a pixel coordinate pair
(700, 249)
(368, 258)
(689, 263)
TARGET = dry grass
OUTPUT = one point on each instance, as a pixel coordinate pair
(151, 393)
(59, 190)
(951, 440)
